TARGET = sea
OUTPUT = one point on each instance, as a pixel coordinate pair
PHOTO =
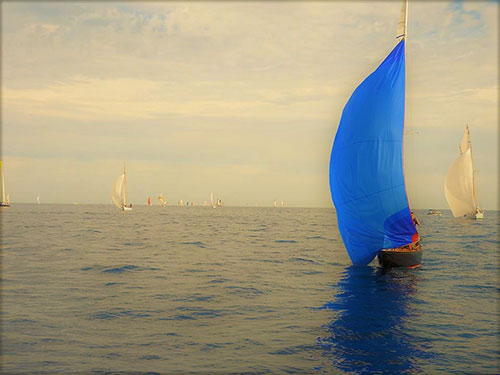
(89, 289)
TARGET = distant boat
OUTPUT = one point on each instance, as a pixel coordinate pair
(161, 200)
(119, 192)
(38, 199)
(434, 212)
(149, 201)
(366, 167)
(5, 202)
(275, 204)
(459, 187)
(282, 204)
(212, 203)
(219, 203)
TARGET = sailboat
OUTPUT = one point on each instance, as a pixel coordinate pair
(212, 200)
(37, 199)
(119, 192)
(275, 204)
(161, 200)
(5, 202)
(367, 181)
(149, 201)
(459, 187)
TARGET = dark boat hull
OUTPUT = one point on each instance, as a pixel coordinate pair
(400, 257)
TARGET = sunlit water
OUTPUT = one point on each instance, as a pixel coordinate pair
(91, 289)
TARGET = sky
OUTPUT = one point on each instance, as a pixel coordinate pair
(242, 99)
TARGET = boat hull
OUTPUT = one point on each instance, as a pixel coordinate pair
(4, 204)
(401, 257)
(479, 215)
(126, 208)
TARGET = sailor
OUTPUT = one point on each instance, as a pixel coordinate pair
(415, 220)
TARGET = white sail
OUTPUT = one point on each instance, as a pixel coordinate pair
(38, 199)
(161, 200)
(212, 200)
(3, 183)
(116, 194)
(465, 144)
(459, 186)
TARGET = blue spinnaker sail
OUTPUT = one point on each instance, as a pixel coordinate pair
(366, 165)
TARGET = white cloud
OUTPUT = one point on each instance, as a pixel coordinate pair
(256, 84)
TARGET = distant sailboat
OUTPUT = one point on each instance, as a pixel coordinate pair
(275, 204)
(459, 187)
(161, 200)
(282, 204)
(149, 201)
(38, 199)
(119, 192)
(212, 203)
(366, 167)
(5, 202)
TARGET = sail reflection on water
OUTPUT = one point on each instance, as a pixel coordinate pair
(371, 333)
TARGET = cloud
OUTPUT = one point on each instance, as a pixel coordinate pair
(243, 86)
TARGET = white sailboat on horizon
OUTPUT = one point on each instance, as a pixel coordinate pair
(38, 199)
(212, 200)
(119, 192)
(459, 187)
(161, 200)
(5, 202)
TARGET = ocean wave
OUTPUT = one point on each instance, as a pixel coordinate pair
(119, 313)
(302, 260)
(196, 243)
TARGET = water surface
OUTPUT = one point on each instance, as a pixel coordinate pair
(91, 289)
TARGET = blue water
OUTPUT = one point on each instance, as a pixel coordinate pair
(91, 289)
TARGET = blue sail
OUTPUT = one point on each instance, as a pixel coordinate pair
(366, 166)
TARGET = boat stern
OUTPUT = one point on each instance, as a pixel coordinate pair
(406, 256)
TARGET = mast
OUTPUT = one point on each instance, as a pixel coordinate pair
(403, 21)
(402, 32)
(3, 183)
(472, 162)
(124, 185)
